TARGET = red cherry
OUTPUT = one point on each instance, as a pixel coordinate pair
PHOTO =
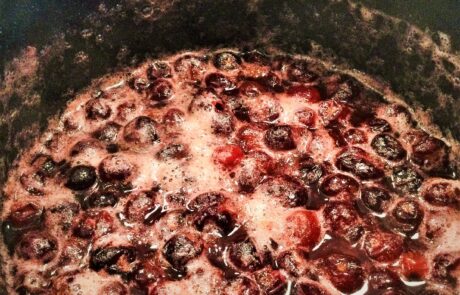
(310, 94)
(414, 264)
(303, 229)
(228, 155)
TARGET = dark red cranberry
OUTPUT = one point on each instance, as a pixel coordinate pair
(45, 165)
(115, 167)
(244, 255)
(219, 82)
(336, 184)
(173, 117)
(252, 170)
(355, 161)
(85, 145)
(97, 109)
(100, 200)
(137, 84)
(279, 138)
(142, 130)
(305, 288)
(271, 281)
(160, 90)
(382, 246)
(190, 67)
(382, 279)
(307, 117)
(115, 288)
(272, 81)
(335, 130)
(172, 151)
(251, 88)
(93, 224)
(344, 272)
(348, 91)
(414, 265)
(310, 172)
(406, 179)
(37, 245)
(444, 266)
(26, 215)
(158, 69)
(309, 94)
(138, 205)
(299, 71)
(292, 262)
(375, 198)
(288, 191)
(227, 61)
(379, 125)
(179, 250)
(430, 153)
(343, 219)
(388, 147)
(222, 123)
(81, 177)
(239, 109)
(442, 194)
(205, 200)
(303, 228)
(256, 57)
(355, 136)
(108, 133)
(108, 257)
(250, 137)
(408, 215)
(228, 155)
(331, 111)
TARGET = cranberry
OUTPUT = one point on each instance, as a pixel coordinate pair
(45, 165)
(81, 177)
(227, 61)
(97, 109)
(219, 82)
(343, 219)
(299, 71)
(37, 245)
(251, 88)
(190, 67)
(93, 224)
(288, 191)
(228, 155)
(336, 184)
(222, 123)
(382, 279)
(115, 288)
(408, 215)
(406, 179)
(73, 252)
(354, 160)
(160, 90)
(279, 138)
(430, 153)
(331, 111)
(257, 57)
(379, 125)
(239, 108)
(115, 167)
(179, 250)
(137, 84)
(347, 91)
(344, 272)
(141, 130)
(173, 117)
(100, 199)
(442, 194)
(382, 246)
(33, 183)
(108, 133)
(158, 69)
(262, 110)
(310, 94)
(444, 266)
(310, 172)
(388, 147)
(172, 151)
(414, 264)
(307, 117)
(308, 289)
(303, 228)
(252, 170)
(272, 81)
(108, 257)
(250, 136)
(205, 200)
(355, 136)
(244, 255)
(375, 198)
(26, 215)
(271, 281)
(292, 262)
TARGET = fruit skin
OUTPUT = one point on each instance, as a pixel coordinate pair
(382, 246)
(179, 250)
(407, 216)
(304, 228)
(388, 147)
(375, 198)
(81, 177)
(279, 138)
(344, 272)
(414, 264)
(338, 184)
(355, 161)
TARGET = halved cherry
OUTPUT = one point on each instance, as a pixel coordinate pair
(228, 155)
